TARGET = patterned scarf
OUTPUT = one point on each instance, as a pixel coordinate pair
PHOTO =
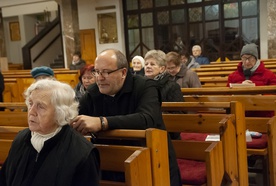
(160, 76)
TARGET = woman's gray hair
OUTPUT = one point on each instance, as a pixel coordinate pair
(62, 98)
(158, 55)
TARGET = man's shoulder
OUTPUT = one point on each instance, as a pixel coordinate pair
(143, 81)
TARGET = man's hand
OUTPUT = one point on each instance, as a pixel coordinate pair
(86, 124)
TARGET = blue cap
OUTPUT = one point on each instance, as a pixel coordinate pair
(43, 70)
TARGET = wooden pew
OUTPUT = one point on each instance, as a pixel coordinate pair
(16, 118)
(208, 152)
(226, 68)
(9, 132)
(223, 73)
(155, 140)
(215, 124)
(5, 145)
(237, 61)
(13, 66)
(133, 161)
(222, 108)
(259, 124)
(212, 82)
(11, 91)
(229, 91)
(13, 106)
(24, 79)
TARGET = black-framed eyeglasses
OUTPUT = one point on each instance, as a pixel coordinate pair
(104, 74)
(250, 58)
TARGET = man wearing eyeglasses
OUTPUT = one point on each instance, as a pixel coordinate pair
(251, 70)
(120, 100)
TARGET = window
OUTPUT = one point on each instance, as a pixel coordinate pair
(220, 27)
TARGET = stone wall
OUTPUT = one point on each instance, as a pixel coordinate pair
(271, 21)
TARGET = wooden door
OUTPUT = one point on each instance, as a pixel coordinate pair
(88, 45)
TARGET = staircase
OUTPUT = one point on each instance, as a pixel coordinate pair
(58, 62)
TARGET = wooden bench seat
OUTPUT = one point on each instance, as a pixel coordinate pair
(211, 68)
(24, 79)
(259, 124)
(13, 106)
(11, 91)
(208, 152)
(224, 73)
(16, 118)
(214, 124)
(234, 63)
(5, 145)
(155, 140)
(229, 91)
(237, 61)
(133, 161)
(222, 108)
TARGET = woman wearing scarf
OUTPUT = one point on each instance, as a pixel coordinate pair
(251, 70)
(155, 68)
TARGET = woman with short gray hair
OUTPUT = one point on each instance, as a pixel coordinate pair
(50, 152)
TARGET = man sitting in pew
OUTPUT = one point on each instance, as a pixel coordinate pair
(120, 100)
(42, 72)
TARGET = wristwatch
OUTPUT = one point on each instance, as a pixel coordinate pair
(103, 124)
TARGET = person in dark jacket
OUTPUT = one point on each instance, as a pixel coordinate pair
(77, 62)
(179, 72)
(188, 60)
(120, 100)
(86, 78)
(155, 68)
(197, 54)
(50, 152)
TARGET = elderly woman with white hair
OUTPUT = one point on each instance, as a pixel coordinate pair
(138, 64)
(49, 151)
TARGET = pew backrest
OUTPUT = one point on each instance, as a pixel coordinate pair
(133, 161)
(156, 141)
(223, 108)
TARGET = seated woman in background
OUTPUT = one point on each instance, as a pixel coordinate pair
(188, 60)
(85, 79)
(155, 68)
(179, 72)
(138, 64)
(252, 71)
(42, 72)
(77, 62)
(49, 151)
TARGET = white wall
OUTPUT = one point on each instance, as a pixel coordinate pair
(33, 8)
(263, 30)
(5, 3)
(88, 20)
(24, 14)
(14, 53)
